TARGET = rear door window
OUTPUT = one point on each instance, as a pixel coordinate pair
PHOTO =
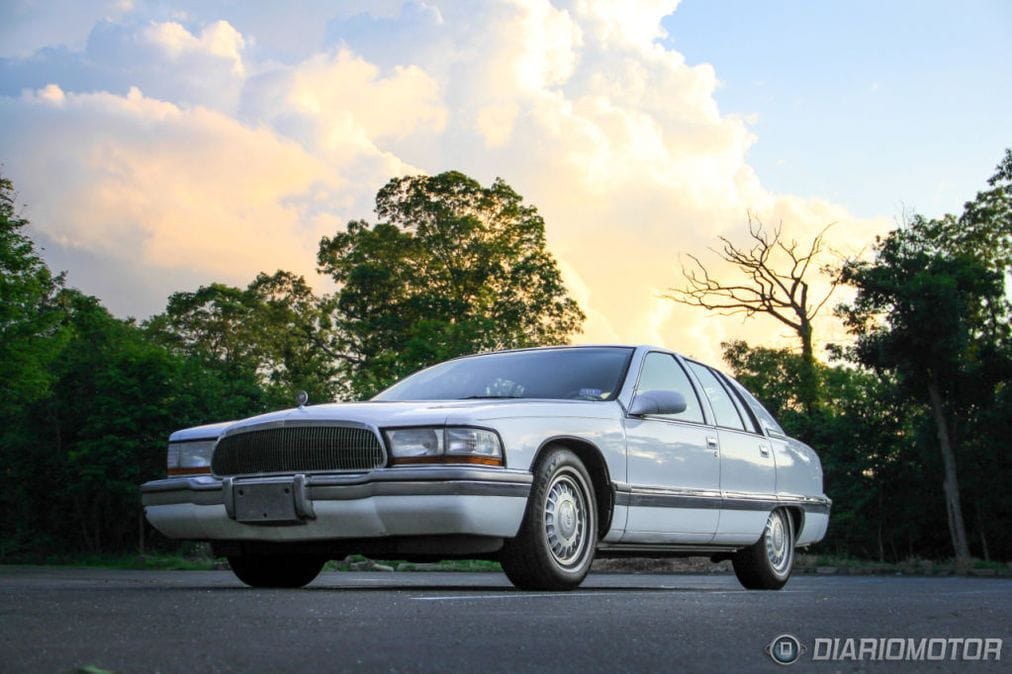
(724, 410)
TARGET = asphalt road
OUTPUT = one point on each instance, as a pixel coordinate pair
(58, 620)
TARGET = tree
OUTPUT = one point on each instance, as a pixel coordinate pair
(862, 429)
(774, 280)
(931, 308)
(29, 312)
(102, 430)
(452, 268)
(275, 330)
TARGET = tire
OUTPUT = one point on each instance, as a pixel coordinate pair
(558, 536)
(282, 571)
(767, 564)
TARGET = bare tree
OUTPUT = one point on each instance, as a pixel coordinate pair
(773, 279)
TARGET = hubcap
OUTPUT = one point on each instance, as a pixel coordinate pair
(779, 547)
(566, 520)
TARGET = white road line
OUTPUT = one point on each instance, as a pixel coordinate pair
(510, 595)
(495, 596)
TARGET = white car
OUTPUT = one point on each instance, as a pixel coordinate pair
(538, 458)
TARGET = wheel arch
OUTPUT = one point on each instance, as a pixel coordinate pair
(797, 516)
(597, 467)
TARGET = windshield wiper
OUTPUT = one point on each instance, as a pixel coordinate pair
(489, 397)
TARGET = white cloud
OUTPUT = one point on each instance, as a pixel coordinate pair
(135, 178)
(240, 167)
(218, 39)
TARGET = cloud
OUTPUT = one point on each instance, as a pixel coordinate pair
(218, 39)
(339, 97)
(144, 181)
(243, 149)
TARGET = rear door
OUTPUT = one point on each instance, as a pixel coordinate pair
(747, 468)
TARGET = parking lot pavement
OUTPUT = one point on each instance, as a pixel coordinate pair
(61, 619)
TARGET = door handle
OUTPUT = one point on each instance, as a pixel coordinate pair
(764, 450)
(711, 442)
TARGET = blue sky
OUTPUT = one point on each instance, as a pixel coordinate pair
(882, 106)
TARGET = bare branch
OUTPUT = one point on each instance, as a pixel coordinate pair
(782, 291)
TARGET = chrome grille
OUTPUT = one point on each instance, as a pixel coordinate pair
(297, 449)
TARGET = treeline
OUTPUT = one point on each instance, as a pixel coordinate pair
(453, 267)
(87, 400)
(913, 420)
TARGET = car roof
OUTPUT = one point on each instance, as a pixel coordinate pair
(647, 347)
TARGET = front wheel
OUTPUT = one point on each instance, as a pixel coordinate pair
(767, 564)
(283, 571)
(556, 542)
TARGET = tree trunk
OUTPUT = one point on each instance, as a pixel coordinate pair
(957, 527)
(881, 545)
(809, 385)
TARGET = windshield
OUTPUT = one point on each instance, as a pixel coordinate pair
(576, 373)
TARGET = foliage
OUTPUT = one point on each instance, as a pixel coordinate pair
(931, 309)
(863, 432)
(76, 457)
(29, 315)
(275, 331)
(452, 268)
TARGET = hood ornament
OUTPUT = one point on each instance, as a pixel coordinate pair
(301, 398)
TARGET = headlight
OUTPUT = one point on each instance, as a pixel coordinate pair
(189, 458)
(444, 445)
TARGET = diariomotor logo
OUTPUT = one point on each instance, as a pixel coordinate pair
(786, 649)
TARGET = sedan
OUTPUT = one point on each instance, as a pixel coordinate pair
(542, 459)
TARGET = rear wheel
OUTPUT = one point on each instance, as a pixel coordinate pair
(767, 564)
(286, 571)
(556, 542)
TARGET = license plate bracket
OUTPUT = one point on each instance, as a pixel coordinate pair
(265, 502)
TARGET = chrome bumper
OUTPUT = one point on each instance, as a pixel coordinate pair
(399, 501)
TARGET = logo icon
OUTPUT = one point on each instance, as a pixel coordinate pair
(785, 649)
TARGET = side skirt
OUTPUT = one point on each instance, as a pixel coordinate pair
(613, 550)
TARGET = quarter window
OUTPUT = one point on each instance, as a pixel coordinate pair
(661, 372)
(723, 407)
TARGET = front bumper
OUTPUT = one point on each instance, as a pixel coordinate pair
(429, 500)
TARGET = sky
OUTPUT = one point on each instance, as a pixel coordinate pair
(159, 145)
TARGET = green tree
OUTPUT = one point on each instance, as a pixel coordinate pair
(931, 309)
(276, 330)
(451, 268)
(101, 430)
(30, 315)
(863, 431)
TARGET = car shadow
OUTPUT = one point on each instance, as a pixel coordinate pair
(438, 587)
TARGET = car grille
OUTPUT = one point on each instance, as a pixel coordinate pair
(297, 449)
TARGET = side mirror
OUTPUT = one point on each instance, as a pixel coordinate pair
(657, 402)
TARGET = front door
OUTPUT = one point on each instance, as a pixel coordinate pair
(673, 464)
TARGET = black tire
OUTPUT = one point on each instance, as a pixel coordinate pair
(282, 571)
(767, 564)
(558, 536)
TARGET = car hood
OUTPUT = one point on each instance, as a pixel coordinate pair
(417, 413)
(195, 433)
